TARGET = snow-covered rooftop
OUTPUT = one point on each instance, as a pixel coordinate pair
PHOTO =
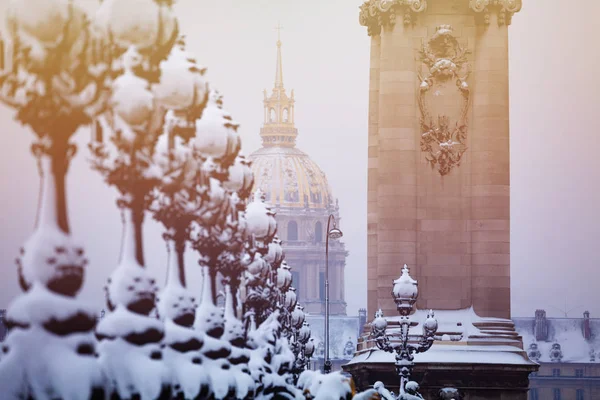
(568, 332)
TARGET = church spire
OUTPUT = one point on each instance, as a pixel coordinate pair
(279, 67)
(278, 128)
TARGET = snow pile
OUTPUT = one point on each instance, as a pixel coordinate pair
(50, 349)
(240, 355)
(131, 340)
(215, 353)
(182, 356)
(271, 358)
(334, 386)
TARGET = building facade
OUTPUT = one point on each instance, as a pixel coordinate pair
(568, 352)
(300, 195)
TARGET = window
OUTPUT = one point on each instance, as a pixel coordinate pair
(296, 282)
(292, 233)
(322, 286)
(579, 373)
(556, 394)
(533, 394)
(556, 372)
(318, 232)
(285, 115)
(579, 394)
(272, 115)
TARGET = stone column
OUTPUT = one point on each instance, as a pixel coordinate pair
(373, 177)
(397, 159)
(490, 161)
(449, 223)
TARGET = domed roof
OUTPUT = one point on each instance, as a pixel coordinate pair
(289, 178)
(286, 175)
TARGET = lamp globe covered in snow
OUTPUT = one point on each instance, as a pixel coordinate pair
(275, 253)
(261, 222)
(309, 349)
(405, 292)
(379, 324)
(240, 178)
(298, 317)
(152, 32)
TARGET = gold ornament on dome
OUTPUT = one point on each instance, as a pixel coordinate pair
(377, 13)
(505, 9)
(444, 100)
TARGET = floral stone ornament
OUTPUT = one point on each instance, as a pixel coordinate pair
(444, 100)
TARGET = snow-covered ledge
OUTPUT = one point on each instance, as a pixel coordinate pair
(469, 352)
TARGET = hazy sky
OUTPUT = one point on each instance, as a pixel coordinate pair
(554, 140)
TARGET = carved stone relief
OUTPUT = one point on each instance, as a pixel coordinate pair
(375, 14)
(444, 100)
(505, 9)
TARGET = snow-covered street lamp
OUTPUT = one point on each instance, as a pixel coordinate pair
(160, 136)
(301, 343)
(332, 233)
(405, 293)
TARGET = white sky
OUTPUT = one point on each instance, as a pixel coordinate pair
(554, 140)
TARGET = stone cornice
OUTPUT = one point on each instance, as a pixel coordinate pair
(377, 13)
(504, 9)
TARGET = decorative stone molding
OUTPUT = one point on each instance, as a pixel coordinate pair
(504, 8)
(534, 352)
(556, 354)
(377, 13)
(445, 84)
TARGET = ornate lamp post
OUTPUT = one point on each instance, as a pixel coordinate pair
(300, 341)
(333, 233)
(405, 294)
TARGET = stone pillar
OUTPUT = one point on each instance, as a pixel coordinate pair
(373, 177)
(490, 163)
(438, 191)
(396, 186)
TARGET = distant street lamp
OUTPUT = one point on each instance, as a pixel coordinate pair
(333, 233)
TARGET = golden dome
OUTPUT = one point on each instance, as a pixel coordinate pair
(285, 174)
(289, 178)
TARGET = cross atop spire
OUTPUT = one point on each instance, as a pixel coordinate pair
(278, 28)
(279, 68)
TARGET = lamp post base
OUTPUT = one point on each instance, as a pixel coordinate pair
(327, 367)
